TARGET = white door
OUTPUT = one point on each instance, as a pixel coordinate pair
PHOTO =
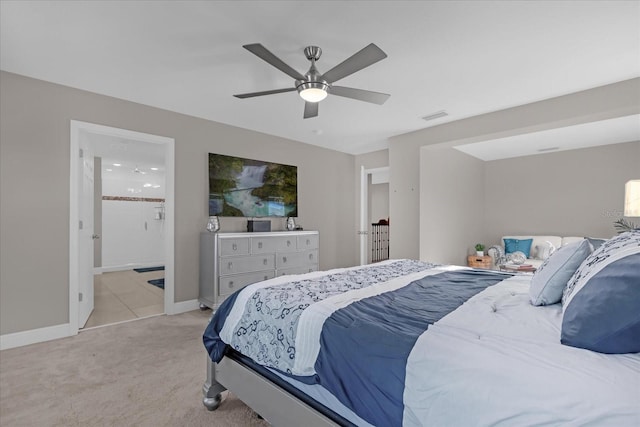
(85, 233)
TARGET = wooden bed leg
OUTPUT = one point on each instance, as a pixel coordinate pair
(211, 389)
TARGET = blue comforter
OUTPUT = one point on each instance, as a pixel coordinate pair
(370, 319)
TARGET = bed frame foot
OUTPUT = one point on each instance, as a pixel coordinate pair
(212, 403)
(212, 389)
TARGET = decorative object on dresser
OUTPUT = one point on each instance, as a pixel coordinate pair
(479, 249)
(291, 224)
(213, 225)
(230, 261)
(255, 225)
(479, 261)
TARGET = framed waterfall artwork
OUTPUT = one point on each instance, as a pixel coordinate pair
(251, 188)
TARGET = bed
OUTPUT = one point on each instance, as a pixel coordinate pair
(409, 343)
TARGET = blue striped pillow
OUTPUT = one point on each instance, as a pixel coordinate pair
(602, 300)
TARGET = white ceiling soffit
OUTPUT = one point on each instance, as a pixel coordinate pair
(464, 57)
(604, 132)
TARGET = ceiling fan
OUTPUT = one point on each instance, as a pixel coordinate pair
(313, 86)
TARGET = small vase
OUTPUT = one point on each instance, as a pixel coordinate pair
(213, 225)
(291, 224)
(479, 253)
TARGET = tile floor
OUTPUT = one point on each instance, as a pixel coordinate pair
(125, 295)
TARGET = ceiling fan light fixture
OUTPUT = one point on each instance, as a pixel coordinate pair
(313, 91)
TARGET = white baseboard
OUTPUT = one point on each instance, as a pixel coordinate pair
(183, 306)
(130, 266)
(19, 339)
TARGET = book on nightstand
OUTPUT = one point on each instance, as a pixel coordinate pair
(527, 268)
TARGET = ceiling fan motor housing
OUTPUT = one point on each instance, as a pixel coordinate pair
(312, 53)
(313, 78)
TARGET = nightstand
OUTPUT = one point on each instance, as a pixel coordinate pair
(479, 261)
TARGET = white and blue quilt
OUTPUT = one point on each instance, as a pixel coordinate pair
(349, 330)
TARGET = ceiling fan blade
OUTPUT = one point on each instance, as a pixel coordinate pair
(359, 94)
(362, 59)
(310, 109)
(266, 92)
(262, 52)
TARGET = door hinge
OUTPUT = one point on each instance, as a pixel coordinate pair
(81, 153)
(80, 225)
(80, 296)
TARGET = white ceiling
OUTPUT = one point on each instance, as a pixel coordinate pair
(604, 132)
(465, 57)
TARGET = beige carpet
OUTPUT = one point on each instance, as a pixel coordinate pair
(147, 372)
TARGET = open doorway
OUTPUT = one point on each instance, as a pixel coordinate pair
(122, 243)
(374, 215)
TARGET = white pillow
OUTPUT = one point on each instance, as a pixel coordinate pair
(550, 279)
(544, 250)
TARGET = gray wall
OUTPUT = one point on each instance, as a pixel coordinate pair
(569, 193)
(464, 201)
(614, 100)
(451, 204)
(34, 191)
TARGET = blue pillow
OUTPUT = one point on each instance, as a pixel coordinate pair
(595, 242)
(513, 245)
(602, 298)
(551, 277)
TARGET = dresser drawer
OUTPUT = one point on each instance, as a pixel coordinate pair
(230, 284)
(306, 242)
(298, 270)
(245, 264)
(234, 246)
(302, 259)
(286, 244)
(261, 245)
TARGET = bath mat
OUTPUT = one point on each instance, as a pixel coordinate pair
(147, 269)
(157, 282)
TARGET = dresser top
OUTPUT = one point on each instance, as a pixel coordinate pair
(264, 233)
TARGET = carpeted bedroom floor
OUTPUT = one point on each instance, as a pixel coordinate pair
(147, 372)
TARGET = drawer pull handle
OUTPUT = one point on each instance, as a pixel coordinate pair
(284, 259)
(259, 245)
(230, 265)
(308, 242)
(231, 284)
(311, 256)
(288, 243)
(266, 277)
(235, 247)
(264, 261)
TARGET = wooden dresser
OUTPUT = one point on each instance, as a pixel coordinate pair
(231, 261)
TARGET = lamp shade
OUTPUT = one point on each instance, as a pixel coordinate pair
(313, 91)
(632, 198)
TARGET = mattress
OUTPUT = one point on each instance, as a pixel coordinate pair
(492, 360)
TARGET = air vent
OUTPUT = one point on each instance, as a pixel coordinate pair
(543, 150)
(435, 115)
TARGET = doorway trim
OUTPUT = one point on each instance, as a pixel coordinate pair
(378, 176)
(75, 130)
